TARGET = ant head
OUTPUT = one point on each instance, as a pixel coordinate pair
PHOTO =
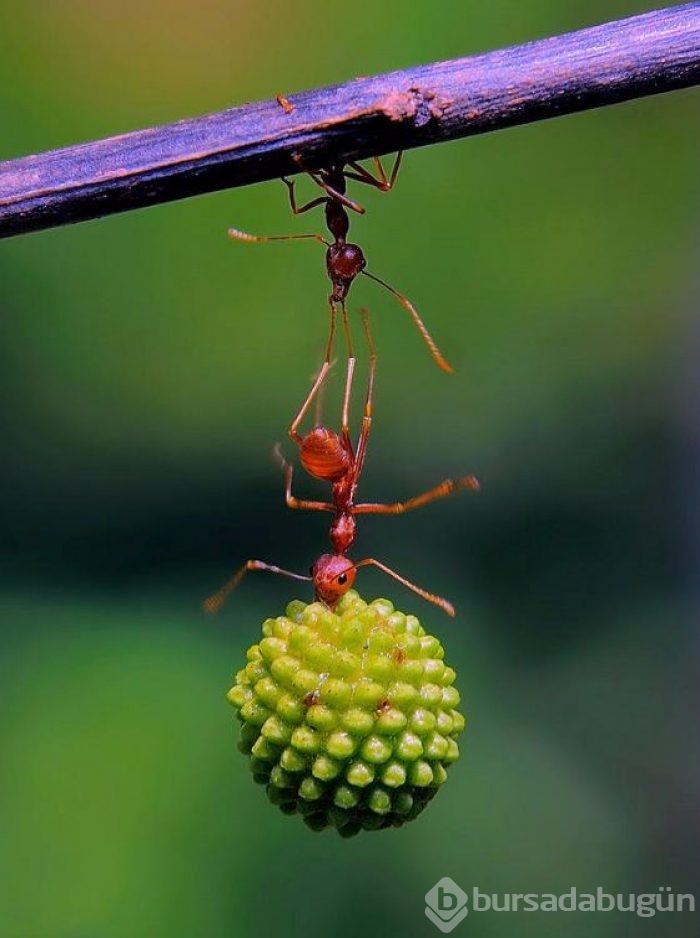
(332, 575)
(344, 262)
(324, 456)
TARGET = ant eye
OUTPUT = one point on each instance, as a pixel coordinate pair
(343, 579)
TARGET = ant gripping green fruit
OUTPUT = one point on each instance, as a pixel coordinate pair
(349, 716)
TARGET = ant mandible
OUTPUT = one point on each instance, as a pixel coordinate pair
(331, 457)
(344, 260)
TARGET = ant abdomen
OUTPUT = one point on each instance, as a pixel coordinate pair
(324, 456)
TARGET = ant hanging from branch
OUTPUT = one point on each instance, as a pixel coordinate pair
(344, 260)
(331, 457)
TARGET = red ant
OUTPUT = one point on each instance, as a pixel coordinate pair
(331, 457)
(344, 260)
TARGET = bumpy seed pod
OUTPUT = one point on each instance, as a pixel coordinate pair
(349, 717)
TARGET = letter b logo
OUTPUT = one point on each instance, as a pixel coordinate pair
(446, 904)
(446, 900)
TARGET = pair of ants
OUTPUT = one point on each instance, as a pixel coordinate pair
(324, 453)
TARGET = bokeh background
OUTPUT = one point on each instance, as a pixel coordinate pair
(148, 365)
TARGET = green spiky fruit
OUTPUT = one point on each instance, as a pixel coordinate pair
(349, 717)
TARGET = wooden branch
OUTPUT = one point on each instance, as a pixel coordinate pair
(643, 55)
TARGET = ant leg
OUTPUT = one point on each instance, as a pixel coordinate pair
(321, 377)
(318, 408)
(323, 373)
(345, 419)
(448, 487)
(291, 500)
(333, 193)
(430, 597)
(367, 415)
(394, 169)
(438, 357)
(216, 600)
(294, 426)
(331, 332)
(381, 181)
(289, 183)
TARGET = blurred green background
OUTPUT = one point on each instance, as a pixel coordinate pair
(148, 367)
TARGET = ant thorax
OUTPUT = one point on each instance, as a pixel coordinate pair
(342, 532)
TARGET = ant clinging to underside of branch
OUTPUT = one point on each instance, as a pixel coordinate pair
(345, 261)
(331, 457)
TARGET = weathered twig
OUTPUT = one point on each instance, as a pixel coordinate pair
(643, 55)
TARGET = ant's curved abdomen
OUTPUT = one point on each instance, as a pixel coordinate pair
(324, 456)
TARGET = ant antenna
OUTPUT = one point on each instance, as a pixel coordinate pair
(214, 603)
(424, 594)
(237, 235)
(438, 357)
